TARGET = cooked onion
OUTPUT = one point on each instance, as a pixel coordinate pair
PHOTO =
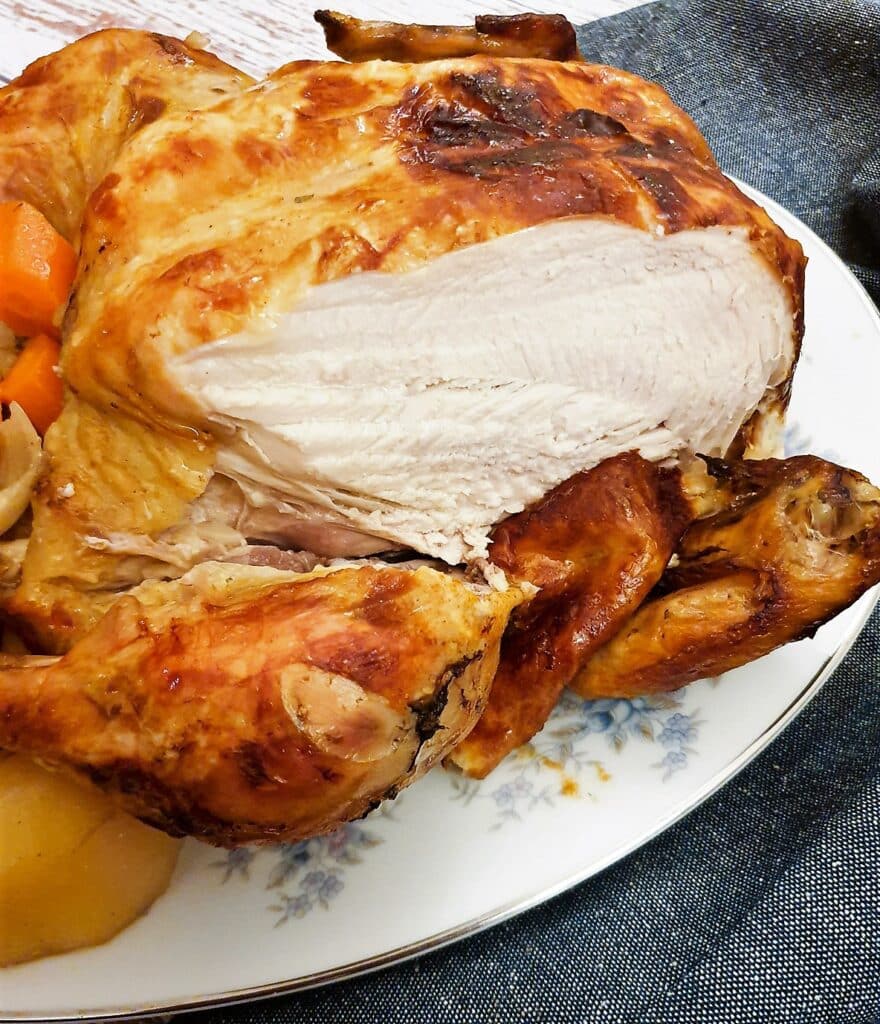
(20, 456)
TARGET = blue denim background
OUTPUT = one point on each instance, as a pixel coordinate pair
(764, 905)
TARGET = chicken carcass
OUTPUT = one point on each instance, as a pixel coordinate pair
(352, 309)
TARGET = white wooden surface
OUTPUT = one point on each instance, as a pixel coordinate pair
(256, 36)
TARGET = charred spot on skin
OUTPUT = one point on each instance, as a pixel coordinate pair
(173, 48)
(249, 759)
(516, 106)
(633, 149)
(374, 805)
(591, 122)
(479, 112)
(543, 156)
(451, 125)
(429, 710)
(145, 110)
(328, 774)
(673, 203)
(128, 778)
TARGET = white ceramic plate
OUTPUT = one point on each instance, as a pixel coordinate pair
(602, 779)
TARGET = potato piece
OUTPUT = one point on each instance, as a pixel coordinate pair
(74, 870)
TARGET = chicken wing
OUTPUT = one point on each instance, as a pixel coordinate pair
(65, 119)
(548, 36)
(241, 704)
(595, 546)
(799, 542)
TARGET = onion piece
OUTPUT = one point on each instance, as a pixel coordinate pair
(20, 458)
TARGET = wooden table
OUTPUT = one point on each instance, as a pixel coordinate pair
(256, 36)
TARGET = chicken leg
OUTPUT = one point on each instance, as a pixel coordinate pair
(799, 542)
(595, 546)
(241, 704)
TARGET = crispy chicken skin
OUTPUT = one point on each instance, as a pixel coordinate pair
(65, 119)
(215, 218)
(595, 547)
(549, 36)
(799, 542)
(250, 705)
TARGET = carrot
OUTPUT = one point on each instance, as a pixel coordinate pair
(34, 383)
(37, 267)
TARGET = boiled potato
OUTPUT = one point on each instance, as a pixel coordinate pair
(73, 869)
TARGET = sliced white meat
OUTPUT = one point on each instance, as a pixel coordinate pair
(417, 409)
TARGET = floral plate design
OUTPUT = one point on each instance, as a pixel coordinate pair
(451, 855)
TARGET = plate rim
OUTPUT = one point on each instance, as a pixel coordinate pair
(489, 919)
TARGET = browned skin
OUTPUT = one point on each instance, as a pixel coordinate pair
(255, 707)
(596, 545)
(66, 117)
(549, 36)
(800, 542)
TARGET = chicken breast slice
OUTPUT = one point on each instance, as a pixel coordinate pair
(420, 408)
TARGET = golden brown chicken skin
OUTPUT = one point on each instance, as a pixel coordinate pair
(595, 546)
(250, 705)
(799, 542)
(65, 119)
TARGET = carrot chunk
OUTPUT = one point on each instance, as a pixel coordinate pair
(34, 383)
(37, 267)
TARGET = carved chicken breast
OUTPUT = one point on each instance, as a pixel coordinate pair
(380, 311)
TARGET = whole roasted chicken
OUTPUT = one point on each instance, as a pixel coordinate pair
(398, 396)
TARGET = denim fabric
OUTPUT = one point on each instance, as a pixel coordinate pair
(764, 904)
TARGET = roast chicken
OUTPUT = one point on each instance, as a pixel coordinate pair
(385, 387)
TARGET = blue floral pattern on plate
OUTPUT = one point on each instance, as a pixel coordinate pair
(564, 759)
(309, 874)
